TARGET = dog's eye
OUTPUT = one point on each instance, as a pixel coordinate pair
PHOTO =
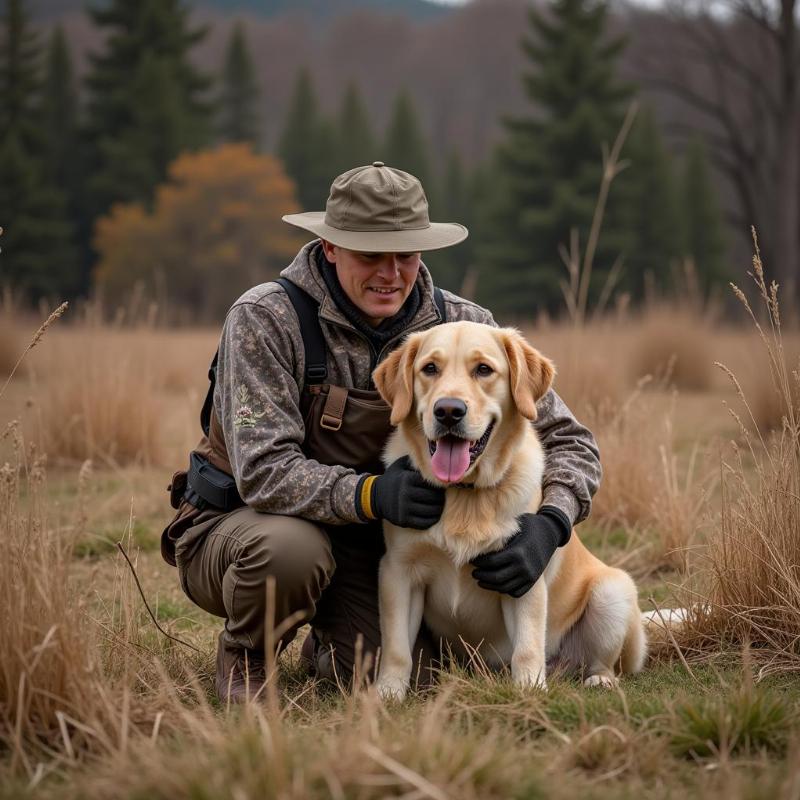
(430, 369)
(483, 370)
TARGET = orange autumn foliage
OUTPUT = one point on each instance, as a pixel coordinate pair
(214, 231)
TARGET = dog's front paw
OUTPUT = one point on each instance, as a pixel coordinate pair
(604, 681)
(392, 689)
(530, 679)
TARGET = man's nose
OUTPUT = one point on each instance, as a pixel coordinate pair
(389, 267)
(449, 410)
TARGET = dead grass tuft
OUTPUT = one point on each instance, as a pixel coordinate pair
(10, 340)
(615, 750)
(673, 344)
(750, 591)
(770, 405)
(646, 487)
(100, 398)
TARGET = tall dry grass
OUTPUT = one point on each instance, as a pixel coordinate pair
(46, 669)
(101, 394)
(11, 344)
(673, 343)
(647, 488)
(750, 590)
(71, 673)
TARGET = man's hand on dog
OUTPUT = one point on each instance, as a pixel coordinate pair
(403, 497)
(515, 568)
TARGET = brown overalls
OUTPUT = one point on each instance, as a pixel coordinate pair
(329, 573)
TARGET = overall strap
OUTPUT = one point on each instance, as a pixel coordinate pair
(307, 310)
(438, 298)
(205, 411)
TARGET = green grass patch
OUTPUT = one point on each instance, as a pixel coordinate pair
(743, 720)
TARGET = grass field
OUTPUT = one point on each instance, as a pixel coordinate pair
(701, 508)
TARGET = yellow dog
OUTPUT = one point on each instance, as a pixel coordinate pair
(581, 611)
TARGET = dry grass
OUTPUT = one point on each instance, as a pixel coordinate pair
(10, 341)
(46, 667)
(646, 488)
(751, 592)
(590, 376)
(673, 344)
(105, 390)
(94, 703)
(769, 403)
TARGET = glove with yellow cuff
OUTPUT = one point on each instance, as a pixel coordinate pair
(401, 495)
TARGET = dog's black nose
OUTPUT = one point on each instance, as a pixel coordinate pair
(449, 410)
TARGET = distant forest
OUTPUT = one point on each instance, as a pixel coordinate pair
(502, 107)
(461, 65)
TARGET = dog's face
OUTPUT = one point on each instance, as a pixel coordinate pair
(459, 390)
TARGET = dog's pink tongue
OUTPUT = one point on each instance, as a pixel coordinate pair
(451, 459)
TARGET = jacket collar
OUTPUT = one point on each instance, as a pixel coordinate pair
(303, 272)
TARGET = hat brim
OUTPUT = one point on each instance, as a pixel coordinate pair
(438, 235)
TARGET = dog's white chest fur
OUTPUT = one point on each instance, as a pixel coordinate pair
(455, 608)
(474, 521)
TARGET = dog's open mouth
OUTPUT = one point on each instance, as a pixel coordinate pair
(452, 456)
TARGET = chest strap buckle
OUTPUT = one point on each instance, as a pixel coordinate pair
(333, 411)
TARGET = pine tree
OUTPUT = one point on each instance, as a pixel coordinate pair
(357, 145)
(547, 172)
(145, 98)
(405, 146)
(38, 256)
(704, 237)
(307, 146)
(240, 96)
(449, 266)
(64, 148)
(60, 111)
(649, 192)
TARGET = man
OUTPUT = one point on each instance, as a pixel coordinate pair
(296, 421)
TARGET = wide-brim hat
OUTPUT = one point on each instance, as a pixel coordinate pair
(378, 209)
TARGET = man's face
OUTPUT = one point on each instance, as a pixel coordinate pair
(377, 283)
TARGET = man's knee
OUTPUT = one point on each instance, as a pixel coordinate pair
(294, 552)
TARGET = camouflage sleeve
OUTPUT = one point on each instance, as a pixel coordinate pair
(572, 472)
(259, 404)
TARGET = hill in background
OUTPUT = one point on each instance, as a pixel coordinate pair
(318, 9)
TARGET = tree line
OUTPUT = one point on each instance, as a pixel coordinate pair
(93, 194)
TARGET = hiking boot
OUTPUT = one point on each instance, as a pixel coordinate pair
(241, 673)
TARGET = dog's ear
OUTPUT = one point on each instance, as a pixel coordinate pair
(394, 379)
(531, 373)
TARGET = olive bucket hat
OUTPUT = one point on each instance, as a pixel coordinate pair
(378, 209)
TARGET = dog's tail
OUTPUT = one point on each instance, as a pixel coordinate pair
(634, 647)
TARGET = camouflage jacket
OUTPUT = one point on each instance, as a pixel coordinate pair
(260, 377)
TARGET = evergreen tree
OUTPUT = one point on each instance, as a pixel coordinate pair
(405, 146)
(240, 96)
(64, 148)
(307, 146)
(704, 237)
(38, 255)
(456, 203)
(547, 173)
(60, 111)
(357, 145)
(649, 192)
(145, 98)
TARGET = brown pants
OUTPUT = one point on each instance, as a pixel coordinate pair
(328, 574)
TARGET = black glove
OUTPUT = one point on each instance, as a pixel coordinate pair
(402, 496)
(515, 568)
